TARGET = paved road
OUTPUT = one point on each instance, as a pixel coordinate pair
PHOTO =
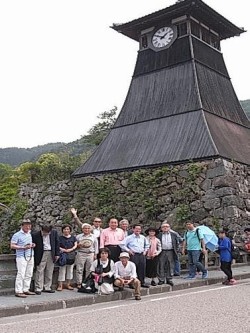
(208, 309)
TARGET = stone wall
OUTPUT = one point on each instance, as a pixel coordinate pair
(214, 192)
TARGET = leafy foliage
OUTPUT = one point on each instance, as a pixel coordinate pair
(97, 133)
(246, 107)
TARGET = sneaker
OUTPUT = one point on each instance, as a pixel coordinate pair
(232, 282)
(160, 283)
(205, 275)
(190, 277)
(225, 282)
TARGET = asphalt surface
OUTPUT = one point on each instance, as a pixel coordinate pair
(13, 306)
(207, 309)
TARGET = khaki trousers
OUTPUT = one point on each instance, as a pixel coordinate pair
(83, 263)
(135, 283)
(44, 272)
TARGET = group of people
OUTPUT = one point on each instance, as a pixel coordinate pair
(39, 250)
(115, 256)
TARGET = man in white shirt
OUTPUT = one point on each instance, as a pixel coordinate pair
(125, 275)
(21, 241)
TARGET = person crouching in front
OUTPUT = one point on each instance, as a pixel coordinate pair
(125, 275)
(103, 269)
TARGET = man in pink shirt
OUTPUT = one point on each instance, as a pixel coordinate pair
(111, 238)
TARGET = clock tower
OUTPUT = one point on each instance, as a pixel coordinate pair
(181, 104)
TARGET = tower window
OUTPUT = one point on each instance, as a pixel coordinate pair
(195, 29)
(182, 29)
(202, 32)
(215, 41)
(205, 35)
(144, 41)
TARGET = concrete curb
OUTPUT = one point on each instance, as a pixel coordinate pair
(86, 299)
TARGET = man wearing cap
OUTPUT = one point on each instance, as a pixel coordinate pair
(137, 246)
(21, 241)
(125, 275)
(87, 250)
(96, 225)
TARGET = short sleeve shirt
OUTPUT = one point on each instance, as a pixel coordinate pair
(193, 241)
(21, 238)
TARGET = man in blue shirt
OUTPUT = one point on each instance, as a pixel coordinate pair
(137, 246)
(21, 241)
(194, 241)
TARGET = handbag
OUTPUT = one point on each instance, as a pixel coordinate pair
(70, 258)
(235, 251)
(88, 285)
(62, 259)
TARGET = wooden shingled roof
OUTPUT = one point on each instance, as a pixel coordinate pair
(195, 8)
(180, 106)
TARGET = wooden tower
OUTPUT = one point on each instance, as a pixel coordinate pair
(181, 104)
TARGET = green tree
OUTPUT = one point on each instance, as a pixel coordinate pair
(98, 132)
(5, 171)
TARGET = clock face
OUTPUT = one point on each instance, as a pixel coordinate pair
(162, 37)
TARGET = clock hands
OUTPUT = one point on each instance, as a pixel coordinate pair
(161, 37)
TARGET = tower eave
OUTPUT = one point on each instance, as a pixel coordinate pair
(195, 8)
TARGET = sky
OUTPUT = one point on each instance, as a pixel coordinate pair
(61, 64)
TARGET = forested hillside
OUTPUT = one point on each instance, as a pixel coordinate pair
(246, 106)
(16, 156)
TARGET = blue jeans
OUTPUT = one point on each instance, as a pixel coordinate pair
(193, 262)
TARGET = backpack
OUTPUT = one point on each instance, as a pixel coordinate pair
(235, 251)
(196, 233)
